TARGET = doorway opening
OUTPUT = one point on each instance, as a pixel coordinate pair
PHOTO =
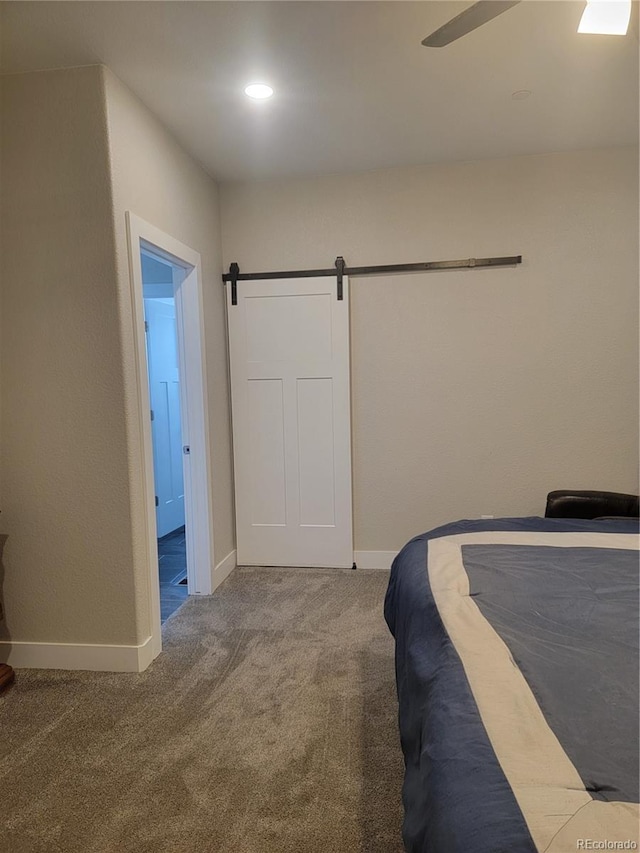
(166, 427)
(171, 291)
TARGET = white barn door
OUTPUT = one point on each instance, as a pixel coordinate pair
(289, 352)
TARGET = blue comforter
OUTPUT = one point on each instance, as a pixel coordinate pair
(564, 614)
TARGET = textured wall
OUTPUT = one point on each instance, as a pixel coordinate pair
(65, 493)
(473, 392)
(154, 178)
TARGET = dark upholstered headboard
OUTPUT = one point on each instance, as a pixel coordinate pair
(565, 503)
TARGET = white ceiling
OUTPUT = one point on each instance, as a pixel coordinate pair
(355, 89)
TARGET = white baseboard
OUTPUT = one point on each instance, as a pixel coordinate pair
(374, 559)
(96, 658)
(224, 569)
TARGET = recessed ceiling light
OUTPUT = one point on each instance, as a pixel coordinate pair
(258, 91)
(521, 94)
(606, 17)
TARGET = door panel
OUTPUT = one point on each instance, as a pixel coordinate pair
(267, 470)
(164, 387)
(303, 324)
(316, 472)
(289, 348)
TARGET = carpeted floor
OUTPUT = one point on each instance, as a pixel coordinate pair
(268, 725)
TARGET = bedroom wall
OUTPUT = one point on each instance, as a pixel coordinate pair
(153, 177)
(77, 151)
(65, 493)
(474, 392)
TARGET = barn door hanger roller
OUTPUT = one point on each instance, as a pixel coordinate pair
(340, 270)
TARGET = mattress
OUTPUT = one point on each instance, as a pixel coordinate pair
(517, 677)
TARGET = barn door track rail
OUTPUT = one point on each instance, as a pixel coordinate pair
(340, 269)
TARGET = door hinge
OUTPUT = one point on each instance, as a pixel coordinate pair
(146, 326)
(152, 415)
(157, 501)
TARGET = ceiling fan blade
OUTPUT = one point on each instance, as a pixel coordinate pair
(467, 21)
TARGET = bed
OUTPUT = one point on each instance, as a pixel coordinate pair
(517, 678)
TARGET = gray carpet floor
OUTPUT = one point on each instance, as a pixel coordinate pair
(267, 725)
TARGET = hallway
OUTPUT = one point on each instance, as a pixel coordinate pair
(172, 566)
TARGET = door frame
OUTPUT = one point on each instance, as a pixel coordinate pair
(187, 287)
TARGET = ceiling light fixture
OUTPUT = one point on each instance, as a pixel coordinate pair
(258, 91)
(606, 17)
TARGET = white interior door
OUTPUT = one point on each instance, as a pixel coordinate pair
(289, 350)
(164, 387)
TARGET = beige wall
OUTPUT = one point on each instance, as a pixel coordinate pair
(78, 151)
(155, 179)
(64, 479)
(474, 392)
